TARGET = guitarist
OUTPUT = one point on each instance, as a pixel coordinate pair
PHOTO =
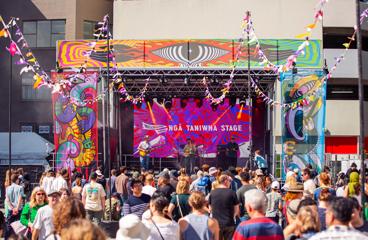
(232, 149)
(144, 148)
(190, 151)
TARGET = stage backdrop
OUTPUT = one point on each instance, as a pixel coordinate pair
(303, 126)
(168, 130)
(75, 133)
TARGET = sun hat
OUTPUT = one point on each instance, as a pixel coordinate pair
(132, 228)
(296, 188)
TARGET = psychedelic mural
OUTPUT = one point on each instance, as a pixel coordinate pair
(206, 53)
(303, 124)
(75, 118)
(207, 127)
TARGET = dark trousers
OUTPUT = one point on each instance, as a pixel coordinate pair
(9, 219)
(189, 163)
(226, 233)
(232, 161)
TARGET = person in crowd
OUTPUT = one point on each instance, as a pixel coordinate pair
(14, 195)
(101, 178)
(323, 201)
(306, 224)
(138, 202)
(290, 181)
(149, 183)
(274, 202)
(259, 180)
(161, 227)
(64, 212)
(131, 227)
(232, 149)
(145, 148)
(65, 194)
(37, 200)
(179, 205)
(224, 205)
(82, 229)
(60, 182)
(121, 183)
(213, 172)
(294, 192)
(2, 224)
(338, 216)
(267, 184)
(93, 198)
(357, 220)
(340, 184)
(115, 209)
(246, 186)
(42, 226)
(113, 180)
(259, 226)
(174, 177)
(308, 202)
(164, 186)
(261, 162)
(77, 189)
(203, 183)
(353, 168)
(48, 180)
(235, 183)
(290, 215)
(309, 185)
(325, 182)
(353, 187)
(198, 225)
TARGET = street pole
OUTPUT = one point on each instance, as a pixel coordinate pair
(361, 100)
(108, 112)
(10, 104)
(249, 95)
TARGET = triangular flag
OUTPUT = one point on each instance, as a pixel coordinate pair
(25, 69)
(12, 48)
(302, 35)
(311, 26)
(29, 54)
(3, 33)
(38, 80)
(346, 45)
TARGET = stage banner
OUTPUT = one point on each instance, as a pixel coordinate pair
(75, 121)
(303, 124)
(209, 128)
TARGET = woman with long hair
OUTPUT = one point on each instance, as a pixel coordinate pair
(179, 206)
(307, 224)
(325, 182)
(324, 198)
(77, 189)
(37, 200)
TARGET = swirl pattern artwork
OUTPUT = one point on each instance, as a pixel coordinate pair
(303, 126)
(75, 136)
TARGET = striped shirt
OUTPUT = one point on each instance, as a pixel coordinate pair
(136, 205)
(258, 229)
(339, 232)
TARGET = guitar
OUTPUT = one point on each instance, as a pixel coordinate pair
(143, 153)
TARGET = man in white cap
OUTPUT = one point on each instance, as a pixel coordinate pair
(274, 202)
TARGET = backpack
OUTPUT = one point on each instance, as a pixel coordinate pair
(203, 185)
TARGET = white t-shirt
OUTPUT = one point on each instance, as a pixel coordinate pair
(145, 146)
(43, 222)
(149, 190)
(309, 187)
(47, 184)
(168, 231)
(59, 183)
(94, 192)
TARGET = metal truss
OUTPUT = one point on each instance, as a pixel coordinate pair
(189, 82)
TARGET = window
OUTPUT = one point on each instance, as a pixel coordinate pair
(88, 29)
(342, 92)
(44, 129)
(26, 128)
(44, 33)
(29, 93)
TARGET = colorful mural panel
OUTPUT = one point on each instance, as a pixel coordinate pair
(75, 133)
(216, 53)
(303, 126)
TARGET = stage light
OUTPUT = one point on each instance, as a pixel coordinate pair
(160, 100)
(198, 102)
(215, 80)
(149, 100)
(243, 101)
(183, 102)
(186, 80)
(163, 80)
(232, 101)
(214, 107)
(168, 103)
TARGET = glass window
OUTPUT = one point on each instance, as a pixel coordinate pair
(29, 93)
(26, 128)
(88, 29)
(44, 129)
(44, 33)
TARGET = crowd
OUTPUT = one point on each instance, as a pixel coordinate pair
(208, 204)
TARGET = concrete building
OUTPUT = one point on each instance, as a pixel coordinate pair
(273, 19)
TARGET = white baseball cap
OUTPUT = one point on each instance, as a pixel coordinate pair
(275, 185)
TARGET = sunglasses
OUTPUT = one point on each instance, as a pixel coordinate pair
(40, 194)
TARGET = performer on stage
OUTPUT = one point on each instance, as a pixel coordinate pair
(261, 162)
(190, 151)
(232, 149)
(144, 148)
